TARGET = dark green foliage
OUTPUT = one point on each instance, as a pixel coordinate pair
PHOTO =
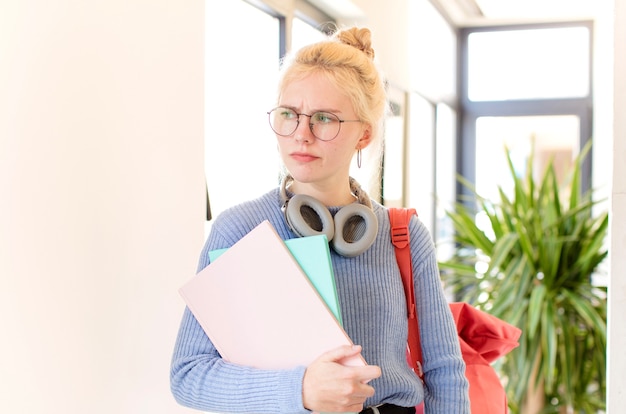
(538, 257)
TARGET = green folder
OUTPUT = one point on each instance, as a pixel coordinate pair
(313, 255)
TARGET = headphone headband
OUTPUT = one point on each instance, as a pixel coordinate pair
(355, 188)
(353, 230)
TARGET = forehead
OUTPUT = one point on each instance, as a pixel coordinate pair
(315, 92)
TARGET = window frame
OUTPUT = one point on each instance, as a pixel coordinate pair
(470, 111)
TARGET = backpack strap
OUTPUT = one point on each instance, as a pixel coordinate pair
(399, 218)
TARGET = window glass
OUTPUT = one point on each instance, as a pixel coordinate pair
(421, 163)
(240, 150)
(393, 162)
(528, 64)
(303, 34)
(553, 137)
(445, 178)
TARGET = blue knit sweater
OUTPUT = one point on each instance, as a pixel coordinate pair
(374, 315)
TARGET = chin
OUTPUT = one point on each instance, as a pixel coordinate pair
(303, 175)
(302, 178)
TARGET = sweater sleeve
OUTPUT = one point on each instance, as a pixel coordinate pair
(444, 369)
(201, 379)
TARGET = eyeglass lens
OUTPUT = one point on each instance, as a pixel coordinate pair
(324, 125)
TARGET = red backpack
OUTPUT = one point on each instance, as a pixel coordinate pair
(483, 337)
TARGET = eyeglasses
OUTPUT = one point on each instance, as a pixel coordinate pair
(324, 126)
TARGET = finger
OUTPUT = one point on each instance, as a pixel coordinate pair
(340, 353)
(367, 373)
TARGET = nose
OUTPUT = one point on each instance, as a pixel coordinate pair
(304, 130)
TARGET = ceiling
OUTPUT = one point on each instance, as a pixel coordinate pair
(490, 12)
(486, 12)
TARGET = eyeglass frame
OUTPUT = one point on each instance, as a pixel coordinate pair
(341, 121)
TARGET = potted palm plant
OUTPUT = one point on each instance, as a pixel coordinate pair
(533, 267)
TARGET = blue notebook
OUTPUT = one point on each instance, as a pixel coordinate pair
(313, 255)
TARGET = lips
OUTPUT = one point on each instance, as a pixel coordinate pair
(303, 157)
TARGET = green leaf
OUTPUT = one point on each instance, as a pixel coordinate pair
(535, 309)
(549, 343)
(587, 312)
(502, 251)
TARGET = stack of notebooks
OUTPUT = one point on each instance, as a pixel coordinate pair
(268, 303)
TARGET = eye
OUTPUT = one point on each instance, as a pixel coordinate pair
(324, 118)
(286, 113)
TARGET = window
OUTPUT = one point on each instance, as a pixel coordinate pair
(237, 135)
(394, 163)
(528, 64)
(551, 136)
(303, 34)
(445, 178)
(524, 84)
(421, 153)
(240, 87)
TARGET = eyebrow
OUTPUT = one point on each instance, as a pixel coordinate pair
(330, 110)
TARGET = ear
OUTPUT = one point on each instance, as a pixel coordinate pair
(366, 138)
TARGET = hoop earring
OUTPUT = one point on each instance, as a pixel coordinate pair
(358, 158)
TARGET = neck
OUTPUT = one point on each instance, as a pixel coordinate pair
(331, 195)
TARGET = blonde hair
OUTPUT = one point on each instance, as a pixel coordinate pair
(347, 60)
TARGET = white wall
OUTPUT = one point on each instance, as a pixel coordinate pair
(617, 283)
(390, 37)
(101, 199)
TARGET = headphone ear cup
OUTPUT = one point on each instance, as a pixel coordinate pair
(306, 216)
(356, 228)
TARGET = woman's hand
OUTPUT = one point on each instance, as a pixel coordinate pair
(329, 386)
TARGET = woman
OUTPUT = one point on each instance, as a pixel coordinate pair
(331, 105)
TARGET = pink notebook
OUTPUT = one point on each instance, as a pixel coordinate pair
(259, 308)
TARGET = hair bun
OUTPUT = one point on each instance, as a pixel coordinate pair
(360, 38)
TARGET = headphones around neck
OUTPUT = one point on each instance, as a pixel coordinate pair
(350, 233)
